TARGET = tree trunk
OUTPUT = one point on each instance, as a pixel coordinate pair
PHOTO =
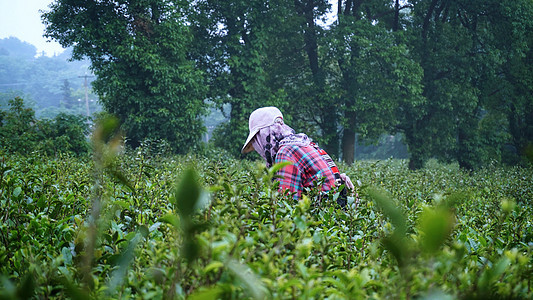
(348, 139)
(427, 19)
(396, 20)
(306, 9)
(327, 112)
(415, 145)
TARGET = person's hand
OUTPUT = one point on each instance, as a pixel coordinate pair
(347, 182)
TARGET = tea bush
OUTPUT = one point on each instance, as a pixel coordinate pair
(143, 225)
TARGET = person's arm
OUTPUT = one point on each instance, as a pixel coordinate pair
(347, 181)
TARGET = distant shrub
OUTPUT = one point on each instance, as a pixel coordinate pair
(17, 131)
(21, 132)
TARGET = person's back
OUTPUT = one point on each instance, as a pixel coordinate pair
(308, 167)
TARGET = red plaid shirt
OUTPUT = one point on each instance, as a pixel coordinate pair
(308, 166)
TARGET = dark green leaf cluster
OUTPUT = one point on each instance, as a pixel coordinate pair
(21, 132)
(139, 53)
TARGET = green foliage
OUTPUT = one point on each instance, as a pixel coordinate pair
(21, 133)
(145, 225)
(18, 132)
(140, 55)
(374, 76)
(466, 51)
(254, 54)
(64, 134)
(453, 77)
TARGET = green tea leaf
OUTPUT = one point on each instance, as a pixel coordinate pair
(121, 178)
(435, 225)
(213, 266)
(17, 191)
(206, 294)
(74, 292)
(171, 219)
(275, 168)
(26, 290)
(398, 247)
(187, 193)
(248, 279)
(117, 277)
(107, 129)
(489, 275)
(389, 208)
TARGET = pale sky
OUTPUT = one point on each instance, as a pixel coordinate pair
(21, 19)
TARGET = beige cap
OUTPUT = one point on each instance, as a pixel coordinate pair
(259, 119)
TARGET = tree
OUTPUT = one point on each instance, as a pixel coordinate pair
(254, 55)
(229, 47)
(21, 132)
(18, 132)
(508, 86)
(65, 133)
(464, 48)
(139, 52)
(374, 75)
(316, 105)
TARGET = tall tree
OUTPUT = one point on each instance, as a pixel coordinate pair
(459, 45)
(316, 106)
(373, 73)
(507, 86)
(258, 53)
(230, 45)
(67, 100)
(139, 51)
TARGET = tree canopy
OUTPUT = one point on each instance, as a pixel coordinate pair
(453, 77)
(139, 53)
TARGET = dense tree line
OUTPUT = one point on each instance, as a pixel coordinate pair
(452, 76)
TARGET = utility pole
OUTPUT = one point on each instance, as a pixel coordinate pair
(86, 95)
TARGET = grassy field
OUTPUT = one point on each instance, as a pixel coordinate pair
(148, 226)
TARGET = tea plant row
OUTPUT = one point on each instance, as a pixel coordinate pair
(141, 225)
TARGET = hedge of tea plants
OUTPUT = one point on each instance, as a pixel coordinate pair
(142, 225)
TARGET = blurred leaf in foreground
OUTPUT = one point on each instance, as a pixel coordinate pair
(397, 242)
(248, 279)
(435, 226)
(389, 208)
(186, 198)
(187, 194)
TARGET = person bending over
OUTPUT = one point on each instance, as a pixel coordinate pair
(277, 142)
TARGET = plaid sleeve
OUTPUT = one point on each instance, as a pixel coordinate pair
(290, 176)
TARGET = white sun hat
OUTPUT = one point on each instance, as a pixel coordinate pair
(259, 119)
